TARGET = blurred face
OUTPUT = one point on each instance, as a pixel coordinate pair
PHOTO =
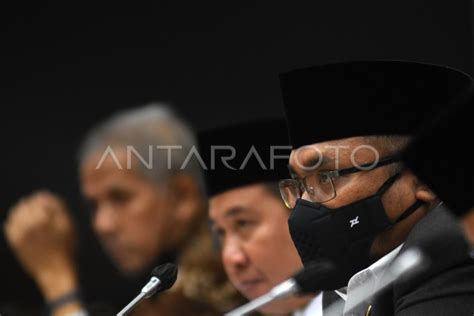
(257, 250)
(130, 214)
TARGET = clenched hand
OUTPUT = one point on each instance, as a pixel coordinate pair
(41, 234)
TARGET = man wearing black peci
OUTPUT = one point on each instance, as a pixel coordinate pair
(247, 214)
(353, 202)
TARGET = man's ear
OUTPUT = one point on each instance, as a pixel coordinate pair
(187, 197)
(424, 193)
(468, 226)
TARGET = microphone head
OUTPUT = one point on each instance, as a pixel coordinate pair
(167, 274)
(318, 276)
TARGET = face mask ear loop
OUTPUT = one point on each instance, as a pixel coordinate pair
(410, 210)
(387, 184)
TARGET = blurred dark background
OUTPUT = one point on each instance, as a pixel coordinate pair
(65, 65)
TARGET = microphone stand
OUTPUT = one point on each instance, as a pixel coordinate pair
(283, 290)
(148, 290)
(127, 309)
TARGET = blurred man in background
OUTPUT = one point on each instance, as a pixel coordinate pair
(247, 214)
(146, 208)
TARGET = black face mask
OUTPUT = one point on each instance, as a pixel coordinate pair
(341, 236)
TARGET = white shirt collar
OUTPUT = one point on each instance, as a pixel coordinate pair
(380, 265)
(357, 286)
(314, 307)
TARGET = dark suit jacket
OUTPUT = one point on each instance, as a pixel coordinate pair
(446, 287)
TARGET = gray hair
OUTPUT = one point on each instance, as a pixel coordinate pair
(143, 129)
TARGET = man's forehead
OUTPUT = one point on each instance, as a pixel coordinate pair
(107, 183)
(330, 148)
(319, 151)
(240, 199)
(237, 195)
(226, 209)
(325, 154)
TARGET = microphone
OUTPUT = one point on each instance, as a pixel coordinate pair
(309, 280)
(162, 278)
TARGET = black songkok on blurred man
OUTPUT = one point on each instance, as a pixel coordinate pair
(353, 203)
(245, 153)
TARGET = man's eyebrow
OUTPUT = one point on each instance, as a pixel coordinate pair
(234, 211)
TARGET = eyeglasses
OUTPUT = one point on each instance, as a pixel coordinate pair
(320, 185)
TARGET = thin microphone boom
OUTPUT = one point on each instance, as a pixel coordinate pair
(163, 277)
(127, 309)
(309, 280)
(283, 290)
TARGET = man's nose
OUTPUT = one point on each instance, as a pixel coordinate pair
(234, 254)
(105, 220)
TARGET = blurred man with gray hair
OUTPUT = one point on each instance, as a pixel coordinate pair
(147, 206)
